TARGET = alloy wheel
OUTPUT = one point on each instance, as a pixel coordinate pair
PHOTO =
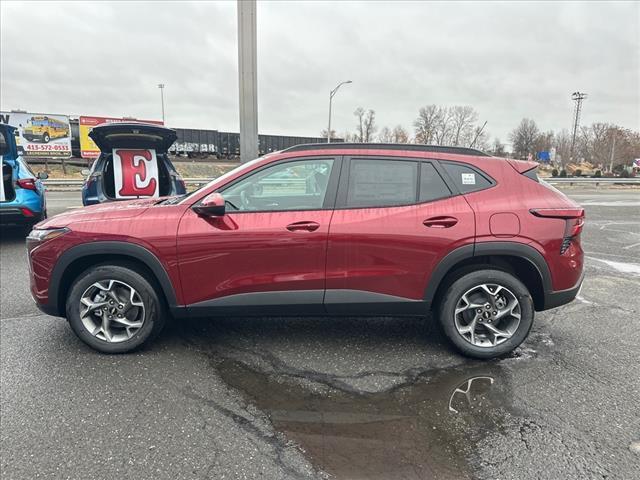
(487, 315)
(112, 311)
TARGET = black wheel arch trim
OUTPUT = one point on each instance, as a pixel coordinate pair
(132, 250)
(515, 249)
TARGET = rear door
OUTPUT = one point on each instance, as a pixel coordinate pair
(395, 219)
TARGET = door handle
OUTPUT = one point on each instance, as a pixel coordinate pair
(303, 226)
(440, 222)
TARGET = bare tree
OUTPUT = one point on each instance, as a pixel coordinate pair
(323, 134)
(562, 144)
(524, 137)
(350, 137)
(369, 126)
(497, 149)
(385, 135)
(463, 119)
(479, 138)
(443, 132)
(427, 123)
(400, 135)
(359, 135)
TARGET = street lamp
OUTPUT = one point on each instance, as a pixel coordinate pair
(161, 87)
(331, 94)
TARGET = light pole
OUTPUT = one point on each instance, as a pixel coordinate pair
(331, 94)
(161, 87)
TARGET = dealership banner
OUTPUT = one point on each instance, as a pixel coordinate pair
(40, 134)
(88, 149)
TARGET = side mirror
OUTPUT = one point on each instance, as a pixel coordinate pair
(213, 205)
(43, 175)
(85, 172)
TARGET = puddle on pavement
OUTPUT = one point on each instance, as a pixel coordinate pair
(423, 429)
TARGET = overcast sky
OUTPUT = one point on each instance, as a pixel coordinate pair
(507, 60)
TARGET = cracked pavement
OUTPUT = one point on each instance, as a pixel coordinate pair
(382, 398)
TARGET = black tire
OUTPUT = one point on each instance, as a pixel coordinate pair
(46, 138)
(457, 289)
(154, 318)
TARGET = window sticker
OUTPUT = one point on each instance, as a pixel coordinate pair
(468, 178)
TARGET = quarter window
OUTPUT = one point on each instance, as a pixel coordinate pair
(382, 183)
(466, 178)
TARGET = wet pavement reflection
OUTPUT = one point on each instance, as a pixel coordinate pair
(422, 430)
(425, 424)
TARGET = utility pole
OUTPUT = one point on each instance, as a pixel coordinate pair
(578, 98)
(331, 95)
(613, 150)
(161, 87)
(248, 79)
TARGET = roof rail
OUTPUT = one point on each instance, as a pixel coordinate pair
(388, 146)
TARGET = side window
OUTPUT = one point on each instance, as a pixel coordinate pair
(299, 185)
(382, 183)
(466, 178)
(432, 186)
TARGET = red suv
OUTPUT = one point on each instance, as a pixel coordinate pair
(330, 229)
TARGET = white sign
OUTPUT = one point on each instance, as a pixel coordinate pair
(135, 172)
(39, 134)
(468, 178)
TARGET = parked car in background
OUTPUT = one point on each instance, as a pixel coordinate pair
(108, 178)
(326, 229)
(22, 194)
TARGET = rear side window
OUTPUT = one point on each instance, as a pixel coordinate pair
(432, 186)
(532, 174)
(465, 178)
(382, 183)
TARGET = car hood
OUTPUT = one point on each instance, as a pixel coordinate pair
(101, 212)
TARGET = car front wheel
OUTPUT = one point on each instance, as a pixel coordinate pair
(487, 313)
(114, 309)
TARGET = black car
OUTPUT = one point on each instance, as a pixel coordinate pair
(100, 185)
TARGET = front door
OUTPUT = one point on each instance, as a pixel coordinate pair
(267, 254)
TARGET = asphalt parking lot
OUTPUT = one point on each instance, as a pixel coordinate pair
(344, 398)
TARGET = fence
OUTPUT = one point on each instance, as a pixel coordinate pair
(593, 181)
(59, 182)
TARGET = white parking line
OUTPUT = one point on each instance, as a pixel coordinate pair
(632, 268)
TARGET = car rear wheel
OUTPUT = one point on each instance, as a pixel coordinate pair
(487, 313)
(114, 309)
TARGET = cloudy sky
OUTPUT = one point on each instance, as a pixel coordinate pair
(508, 60)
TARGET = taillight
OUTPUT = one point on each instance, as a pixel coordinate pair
(571, 231)
(27, 183)
(574, 218)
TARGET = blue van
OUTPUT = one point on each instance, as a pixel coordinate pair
(22, 198)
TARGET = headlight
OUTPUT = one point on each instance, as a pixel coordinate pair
(42, 235)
